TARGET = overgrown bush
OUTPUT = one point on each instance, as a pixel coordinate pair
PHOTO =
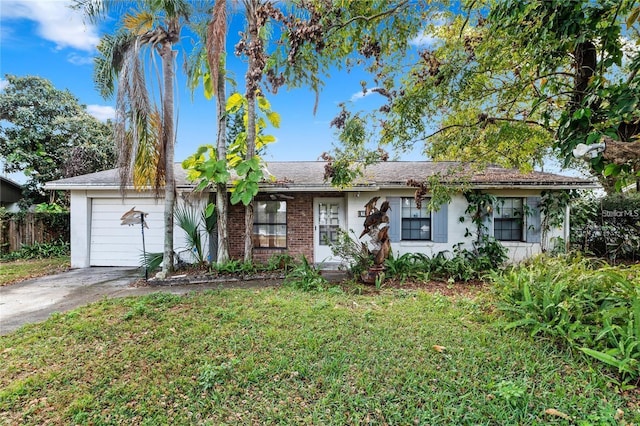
(607, 227)
(461, 265)
(278, 262)
(584, 303)
(352, 251)
(39, 251)
(305, 277)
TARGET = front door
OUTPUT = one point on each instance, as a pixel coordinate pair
(328, 218)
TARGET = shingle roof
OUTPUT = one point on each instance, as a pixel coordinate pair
(306, 175)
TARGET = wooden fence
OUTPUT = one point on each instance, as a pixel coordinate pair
(17, 230)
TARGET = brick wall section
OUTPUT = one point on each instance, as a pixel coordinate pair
(299, 228)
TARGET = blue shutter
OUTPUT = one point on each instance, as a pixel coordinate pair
(395, 218)
(439, 224)
(533, 220)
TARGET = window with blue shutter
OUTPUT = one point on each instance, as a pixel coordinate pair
(408, 223)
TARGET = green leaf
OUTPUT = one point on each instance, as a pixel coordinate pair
(633, 16)
(603, 357)
(611, 169)
(252, 188)
(254, 163)
(593, 138)
(235, 197)
(274, 119)
(234, 102)
(263, 103)
(209, 90)
(255, 176)
(246, 198)
(243, 168)
(208, 211)
(266, 139)
(202, 185)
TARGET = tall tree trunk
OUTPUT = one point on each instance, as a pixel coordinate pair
(168, 59)
(216, 51)
(251, 86)
(221, 188)
(251, 152)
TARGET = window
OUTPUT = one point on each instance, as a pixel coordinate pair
(508, 219)
(328, 222)
(416, 223)
(270, 224)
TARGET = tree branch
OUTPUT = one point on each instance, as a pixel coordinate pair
(485, 120)
(621, 152)
(366, 18)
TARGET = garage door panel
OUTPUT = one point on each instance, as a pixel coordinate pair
(113, 244)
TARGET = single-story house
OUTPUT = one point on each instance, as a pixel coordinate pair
(297, 212)
(10, 194)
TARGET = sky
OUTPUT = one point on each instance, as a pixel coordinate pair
(48, 39)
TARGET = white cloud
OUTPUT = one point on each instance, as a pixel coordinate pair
(56, 22)
(424, 40)
(3, 83)
(76, 59)
(102, 112)
(359, 95)
(427, 37)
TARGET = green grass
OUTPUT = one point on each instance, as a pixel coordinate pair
(281, 356)
(18, 270)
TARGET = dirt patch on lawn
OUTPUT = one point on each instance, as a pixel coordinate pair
(198, 278)
(462, 288)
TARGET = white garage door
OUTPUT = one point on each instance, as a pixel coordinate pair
(113, 244)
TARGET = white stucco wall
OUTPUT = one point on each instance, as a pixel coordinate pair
(456, 230)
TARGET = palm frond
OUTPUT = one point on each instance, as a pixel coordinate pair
(112, 50)
(151, 261)
(188, 218)
(173, 8)
(139, 22)
(145, 161)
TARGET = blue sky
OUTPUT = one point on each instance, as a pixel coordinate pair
(48, 39)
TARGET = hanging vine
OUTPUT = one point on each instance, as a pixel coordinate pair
(480, 208)
(553, 206)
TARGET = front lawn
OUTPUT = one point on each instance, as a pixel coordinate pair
(19, 270)
(281, 356)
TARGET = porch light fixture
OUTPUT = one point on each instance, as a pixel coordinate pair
(588, 151)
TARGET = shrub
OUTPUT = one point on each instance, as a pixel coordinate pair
(594, 230)
(352, 251)
(39, 251)
(305, 277)
(588, 305)
(280, 262)
(408, 266)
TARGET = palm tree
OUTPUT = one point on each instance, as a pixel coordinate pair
(216, 50)
(144, 135)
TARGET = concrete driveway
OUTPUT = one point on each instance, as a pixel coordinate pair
(35, 299)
